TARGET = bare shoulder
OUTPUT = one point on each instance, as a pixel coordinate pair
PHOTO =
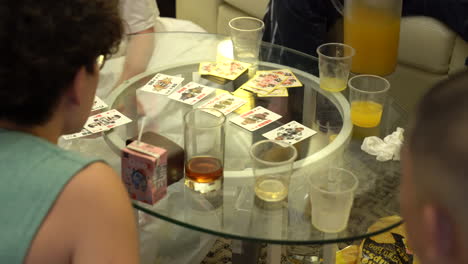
(92, 218)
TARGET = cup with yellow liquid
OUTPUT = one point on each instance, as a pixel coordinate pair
(367, 95)
(334, 65)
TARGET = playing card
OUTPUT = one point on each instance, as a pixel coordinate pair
(254, 90)
(215, 79)
(255, 118)
(291, 133)
(227, 69)
(105, 121)
(163, 84)
(231, 69)
(225, 103)
(83, 133)
(206, 68)
(278, 92)
(98, 104)
(265, 81)
(191, 93)
(289, 79)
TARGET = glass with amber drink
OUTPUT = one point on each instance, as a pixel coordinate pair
(204, 149)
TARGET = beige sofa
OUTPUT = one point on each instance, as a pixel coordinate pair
(429, 51)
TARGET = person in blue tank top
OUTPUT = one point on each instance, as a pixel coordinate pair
(57, 207)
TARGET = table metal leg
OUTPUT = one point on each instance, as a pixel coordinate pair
(274, 254)
(245, 252)
(329, 253)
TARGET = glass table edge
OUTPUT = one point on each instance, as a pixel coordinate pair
(266, 240)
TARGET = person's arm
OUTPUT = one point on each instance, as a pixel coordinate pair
(91, 222)
(139, 51)
(139, 17)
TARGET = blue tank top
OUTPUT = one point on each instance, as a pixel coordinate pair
(33, 173)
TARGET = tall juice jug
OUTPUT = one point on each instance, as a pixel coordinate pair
(372, 28)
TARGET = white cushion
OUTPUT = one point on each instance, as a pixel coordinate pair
(256, 8)
(426, 43)
(409, 84)
(225, 14)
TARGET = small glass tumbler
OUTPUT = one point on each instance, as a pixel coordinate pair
(204, 149)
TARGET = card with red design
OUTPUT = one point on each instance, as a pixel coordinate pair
(278, 92)
(191, 93)
(225, 103)
(290, 80)
(255, 118)
(105, 121)
(163, 84)
(266, 81)
(227, 69)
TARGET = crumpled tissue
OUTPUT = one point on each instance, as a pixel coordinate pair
(386, 149)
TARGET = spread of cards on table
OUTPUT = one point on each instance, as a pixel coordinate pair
(100, 122)
(192, 92)
(274, 83)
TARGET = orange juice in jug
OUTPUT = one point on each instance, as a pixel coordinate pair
(374, 33)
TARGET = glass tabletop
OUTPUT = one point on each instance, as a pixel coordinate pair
(234, 211)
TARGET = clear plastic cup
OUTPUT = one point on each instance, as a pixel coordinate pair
(334, 65)
(367, 96)
(272, 166)
(331, 196)
(246, 35)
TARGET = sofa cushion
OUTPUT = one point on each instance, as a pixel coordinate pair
(409, 84)
(225, 14)
(201, 12)
(426, 43)
(256, 8)
(459, 57)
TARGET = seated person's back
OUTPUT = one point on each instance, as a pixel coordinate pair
(58, 206)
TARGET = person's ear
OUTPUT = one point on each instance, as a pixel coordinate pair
(440, 233)
(77, 86)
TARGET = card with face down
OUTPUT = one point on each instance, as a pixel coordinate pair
(278, 92)
(105, 121)
(163, 84)
(228, 69)
(290, 80)
(265, 81)
(225, 103)
(292, 133)
(191, 93)
(256, 118)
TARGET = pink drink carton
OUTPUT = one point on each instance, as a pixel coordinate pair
(144, 172)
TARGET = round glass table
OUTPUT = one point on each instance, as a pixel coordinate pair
(234, 212)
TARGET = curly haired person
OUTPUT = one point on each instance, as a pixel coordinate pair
(57, 207)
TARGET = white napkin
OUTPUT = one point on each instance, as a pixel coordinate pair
(386, 149)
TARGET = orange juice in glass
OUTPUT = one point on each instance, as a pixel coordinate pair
(367, 97)
(373, 30)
